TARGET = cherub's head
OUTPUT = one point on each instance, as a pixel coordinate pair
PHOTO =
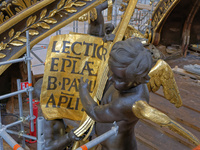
(130, 64)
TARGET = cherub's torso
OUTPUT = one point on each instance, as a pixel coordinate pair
(123, 102)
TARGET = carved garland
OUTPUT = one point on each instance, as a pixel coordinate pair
(31, 24)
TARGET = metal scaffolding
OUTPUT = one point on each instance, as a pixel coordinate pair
(101, 138)
(4, 128)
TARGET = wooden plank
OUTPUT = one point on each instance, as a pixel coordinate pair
(157, 140)
(185, 73)
(188, 91)
(182, 114)
(189, 100)
(144, 144)
(172, 134)
(192, 86)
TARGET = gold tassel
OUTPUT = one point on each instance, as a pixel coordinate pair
(109, 15)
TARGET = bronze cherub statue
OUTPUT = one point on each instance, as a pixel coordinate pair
(126, 97)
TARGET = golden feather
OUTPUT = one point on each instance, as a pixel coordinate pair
(162, 75)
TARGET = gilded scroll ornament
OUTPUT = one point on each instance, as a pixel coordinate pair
(75, 60)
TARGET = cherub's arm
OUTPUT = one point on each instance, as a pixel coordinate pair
(144, 111)
(100, 113)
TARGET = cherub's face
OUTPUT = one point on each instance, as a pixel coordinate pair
(119, 79)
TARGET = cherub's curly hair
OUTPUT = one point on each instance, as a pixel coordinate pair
(137, 60)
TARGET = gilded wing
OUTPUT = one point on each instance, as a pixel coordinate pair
(162, 75)
(144, 111)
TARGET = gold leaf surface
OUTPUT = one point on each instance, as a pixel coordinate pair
(22, 38)
(16, 43)
(17, 34)
(17, 9)
(43, 13)
(34, 25)
(33, 32)
(78, 4)
(50, 20)
(69, 5)
(62, 2)
(2, 55)
(68, 1)
(11, 33)
(6, 18)
(44, 25)
(71, 10)
(33, 20)
(29, 21)
(52, 13)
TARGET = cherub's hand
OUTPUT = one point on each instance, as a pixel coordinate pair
(73, 137)
(83, 84)
(109, 37)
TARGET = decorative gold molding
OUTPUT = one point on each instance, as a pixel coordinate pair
(160, 14)
(50, 31)
(23, 14)
(125, 20)
(43, 22)
(18, 5)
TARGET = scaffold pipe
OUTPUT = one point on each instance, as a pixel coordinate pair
(40, 133)
(29, 79)
(101, 138)
(10, 140)
(13, 61)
